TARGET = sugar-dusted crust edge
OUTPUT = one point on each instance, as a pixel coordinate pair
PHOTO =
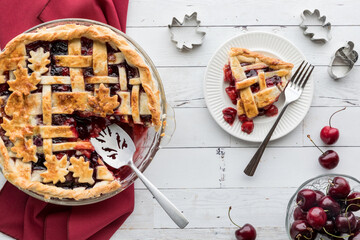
(18, 176)
(273, 63)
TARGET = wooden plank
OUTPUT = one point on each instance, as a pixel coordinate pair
(195, 234)
(223, 167)
(156, 42)
(184, 87)
(232, 12)
(196, 128)
(208, 208)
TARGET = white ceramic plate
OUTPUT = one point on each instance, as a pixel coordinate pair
(216, 98)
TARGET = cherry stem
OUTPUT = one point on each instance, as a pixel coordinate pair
(334, 235)
(334, 114)
(314, 143)
(231, 219)
(352, 204)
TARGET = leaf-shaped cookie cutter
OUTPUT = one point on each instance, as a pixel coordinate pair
(189, 26)
(306, 15)
(345, 55)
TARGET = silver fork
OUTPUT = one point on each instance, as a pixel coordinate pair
(292, 92)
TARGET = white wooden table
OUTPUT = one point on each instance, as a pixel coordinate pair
(201, 170)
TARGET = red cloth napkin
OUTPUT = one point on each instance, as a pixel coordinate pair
(19, 15)
(22, 216)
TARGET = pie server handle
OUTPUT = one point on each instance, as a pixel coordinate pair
(164, 202)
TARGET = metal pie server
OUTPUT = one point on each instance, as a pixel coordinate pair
(116, 148)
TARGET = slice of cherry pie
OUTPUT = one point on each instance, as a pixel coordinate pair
(59, 87)
(255, 83)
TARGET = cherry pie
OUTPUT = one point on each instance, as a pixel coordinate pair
(59, 87)
(255, 83)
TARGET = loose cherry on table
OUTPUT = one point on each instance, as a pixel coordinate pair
(301, 230)
(329, 134)
(339, 188)
(317, 218)
(246, 232)
(328, 159)
(306, 199)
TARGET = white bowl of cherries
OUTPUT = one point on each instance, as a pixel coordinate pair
(325, 207)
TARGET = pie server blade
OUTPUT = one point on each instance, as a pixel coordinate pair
(116, 148)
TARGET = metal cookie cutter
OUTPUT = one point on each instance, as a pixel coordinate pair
(343, 61)
(315, 26)
(186, 34)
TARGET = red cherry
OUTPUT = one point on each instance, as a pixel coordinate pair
(356, 236)
(228, 75)
(246, 232)
(229, 115)
(244, 118)
(328, 159)
(330, 205)
(306, 199)
(271, 111)
(345, 222)
(316, 217)
(247, 127)
(231, 92)
(301, 230)
(354, 200)
(328, 134)
(299, 214)
(319, 196)
(339, 188)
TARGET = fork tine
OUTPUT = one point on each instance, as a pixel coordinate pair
(297, 71)
(300, 76)
(303, 77)
(307, 77)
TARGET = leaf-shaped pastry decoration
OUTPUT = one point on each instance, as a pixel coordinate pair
(14, 130)
(82, 170)
(102, 103)
(23, 82)
(39, 60)
(56, 169)
(25, 150)
(17, 106)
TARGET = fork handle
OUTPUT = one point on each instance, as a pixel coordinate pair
(164, 202)
(251, 167)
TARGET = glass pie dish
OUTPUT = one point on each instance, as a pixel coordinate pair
(151, 139)
(320, 183)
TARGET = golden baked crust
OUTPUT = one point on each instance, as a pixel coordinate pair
(242, 60)
(271, 62)
(23, 103)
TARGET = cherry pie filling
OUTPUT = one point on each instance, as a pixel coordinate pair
(229, 114)
(85, 125)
